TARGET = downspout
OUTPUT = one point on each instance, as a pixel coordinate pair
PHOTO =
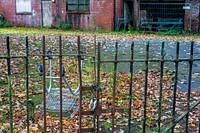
(133, 12)
(199, 18)
(138, 13)
(114, 14)
(41, 15)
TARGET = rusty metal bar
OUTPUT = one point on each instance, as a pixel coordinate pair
(87, 130)
(85, 88)
(161, 85)
(108, 110)
(59, 55)
(60, 81)
(94, 59)
(175, 85)
(12, 57)
(130, 89)
(189, 84)
(9, 85)
(98, 79)
(80, 83)
(108, 61)
(181, 117)
(150, 60)
(44, 82)
(27, 85)
(146, 86)
(114, 87)
(87, 112)
(95, 79)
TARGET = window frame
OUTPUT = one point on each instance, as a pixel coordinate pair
(23, 12)
(79, 3)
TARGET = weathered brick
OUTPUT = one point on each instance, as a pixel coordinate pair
(99, 17)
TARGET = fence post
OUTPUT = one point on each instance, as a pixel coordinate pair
(114, 87)
(44, 82)
(9, 85)
(189, 85)
(131, 85)
(161, 81)
(175, 84)
(80, 82)
(27, 84)
(98, 79)
(60, 81)
(94, 58)
(146, 86)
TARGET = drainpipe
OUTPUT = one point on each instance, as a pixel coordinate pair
(199, 18)
(114, 13)
(41, 15)
(133, 13)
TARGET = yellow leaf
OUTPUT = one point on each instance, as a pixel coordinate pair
(75, 63)
(1, 127)
(34, 129)
(123, 84)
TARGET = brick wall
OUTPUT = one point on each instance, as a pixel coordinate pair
(100, 16)
(1, 8)
(9, 11)
(192, 16)
(59, 12)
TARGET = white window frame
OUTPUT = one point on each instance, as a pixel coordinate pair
(23, 6)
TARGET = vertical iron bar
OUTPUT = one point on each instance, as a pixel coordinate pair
(98, 78)
(44, 82)
(146, 85)
(161, 85)
(60, 81)
(9, 85)
(131, 85)
(80, 82)
(94, 58)
(175, 84)
(27, 85)
(199, 122)
(114, 87)
(189, 85)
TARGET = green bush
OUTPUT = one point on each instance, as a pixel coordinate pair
(65, 27)
(1, 18)
(173, 32)
(5, 24)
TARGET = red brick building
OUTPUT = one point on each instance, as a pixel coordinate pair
(104, 14)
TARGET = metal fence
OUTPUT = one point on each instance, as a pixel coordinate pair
(98, 88)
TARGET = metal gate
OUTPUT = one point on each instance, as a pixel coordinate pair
(113, 107)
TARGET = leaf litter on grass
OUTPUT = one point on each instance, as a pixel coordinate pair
(122, 92)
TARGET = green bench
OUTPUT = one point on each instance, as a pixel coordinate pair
(161, 25)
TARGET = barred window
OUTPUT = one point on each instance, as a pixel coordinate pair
(78, 5)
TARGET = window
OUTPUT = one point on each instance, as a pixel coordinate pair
(23, 6)
(78, 5)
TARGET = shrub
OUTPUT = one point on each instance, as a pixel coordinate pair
(173, 32)
(5, 24)
(66, 26)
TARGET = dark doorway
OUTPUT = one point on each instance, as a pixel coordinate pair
(126, 22)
